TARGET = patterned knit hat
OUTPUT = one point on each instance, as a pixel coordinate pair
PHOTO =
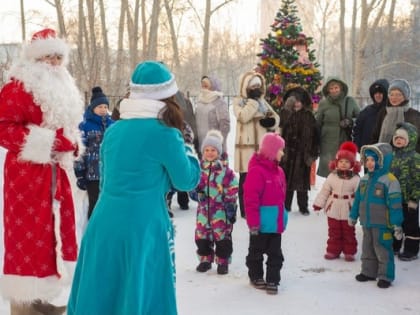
(152, 80)
(214, 138)
(43, 43)
(98, 97)
(270, 145)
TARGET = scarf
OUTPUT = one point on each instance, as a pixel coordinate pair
(140, 108)
(207, 96)
(394, 115)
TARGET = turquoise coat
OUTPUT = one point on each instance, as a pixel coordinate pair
(126, 261)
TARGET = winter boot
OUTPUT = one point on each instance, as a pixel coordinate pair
(331, 256)
(203, 266)
(258, 283)
(271, 288)
(222, 269)
(47, 308)
(348, 257)
(384, 284)
(406, 256)
(362, 278)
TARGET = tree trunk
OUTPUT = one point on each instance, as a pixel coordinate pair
(364, 37)
(353, 38)
(343, 40)
(387, 42)
(106, 59)
(153, 31)
(174, 39)
(22, 20)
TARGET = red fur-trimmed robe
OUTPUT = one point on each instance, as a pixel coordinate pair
(39, 218)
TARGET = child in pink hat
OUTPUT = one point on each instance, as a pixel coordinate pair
(264, 195)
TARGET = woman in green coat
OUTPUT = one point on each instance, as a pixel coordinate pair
(333, 108)
(126, 262)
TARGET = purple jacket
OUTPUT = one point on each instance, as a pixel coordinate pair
(264, 194)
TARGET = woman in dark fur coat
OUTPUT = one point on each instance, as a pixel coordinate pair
(300, 132)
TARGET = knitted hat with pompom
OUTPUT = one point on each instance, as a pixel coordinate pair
(347, 151)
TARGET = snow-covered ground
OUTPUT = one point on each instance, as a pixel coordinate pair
(310, 284)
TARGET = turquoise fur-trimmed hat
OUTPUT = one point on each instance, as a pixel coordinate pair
(152, 80)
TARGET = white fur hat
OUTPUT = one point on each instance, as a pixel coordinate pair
(43, 43)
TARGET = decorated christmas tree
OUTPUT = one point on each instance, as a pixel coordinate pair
(286, 60)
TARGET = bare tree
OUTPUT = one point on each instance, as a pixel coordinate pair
(174, 38)
(365, 33)
(106, 60)
(343, 39)
(209, 11)
(22, 20)
(387, 42)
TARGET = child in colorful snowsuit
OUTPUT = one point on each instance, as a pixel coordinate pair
(336, 198)
(377, 203)
(216, 210)
(406, 167)
(264, 195)
(96, 121)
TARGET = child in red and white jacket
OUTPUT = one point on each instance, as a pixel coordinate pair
(336, 197)
(264, 195)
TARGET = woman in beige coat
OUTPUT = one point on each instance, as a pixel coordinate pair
(254, 118)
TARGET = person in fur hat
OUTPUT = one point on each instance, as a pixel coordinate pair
(96, 121)
(254, 118)
(302, 146)
(40, 109)
(336, 198)
(126, 264)
(264, 195)
(216, 210)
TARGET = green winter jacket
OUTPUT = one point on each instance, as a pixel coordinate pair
(328, 119)
(406, 166)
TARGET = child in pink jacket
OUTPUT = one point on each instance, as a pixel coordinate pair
(336, 197)
(264, 194)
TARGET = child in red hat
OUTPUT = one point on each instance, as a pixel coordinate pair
(336, 197)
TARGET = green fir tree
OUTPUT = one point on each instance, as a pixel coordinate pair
(286, 60)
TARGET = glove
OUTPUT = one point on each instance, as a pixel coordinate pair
(254, 231)
(230, 209)
(81, 183)
(412, 205)
(267, 122)
(316, 208)
(398, 233)
(61, 143)
(197, 196)
(351, 222)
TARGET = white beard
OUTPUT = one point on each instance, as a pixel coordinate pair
(54, 90)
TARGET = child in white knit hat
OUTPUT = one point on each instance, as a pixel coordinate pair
(216, 210)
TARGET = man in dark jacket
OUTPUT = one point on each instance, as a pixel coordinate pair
(366, 121)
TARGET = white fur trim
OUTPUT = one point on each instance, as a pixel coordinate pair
(38, 145)
(153, 91)
(29, 288)
(140, 108)
(43, 47)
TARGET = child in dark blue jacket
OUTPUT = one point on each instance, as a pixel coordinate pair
(96, 121)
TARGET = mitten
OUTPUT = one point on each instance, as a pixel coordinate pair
(81, 183)
(316, 208)
(351, 222)
(398, 233)
(267, 122)
(61, 143)
(193, 195)
(230, 209)
(412, 205)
